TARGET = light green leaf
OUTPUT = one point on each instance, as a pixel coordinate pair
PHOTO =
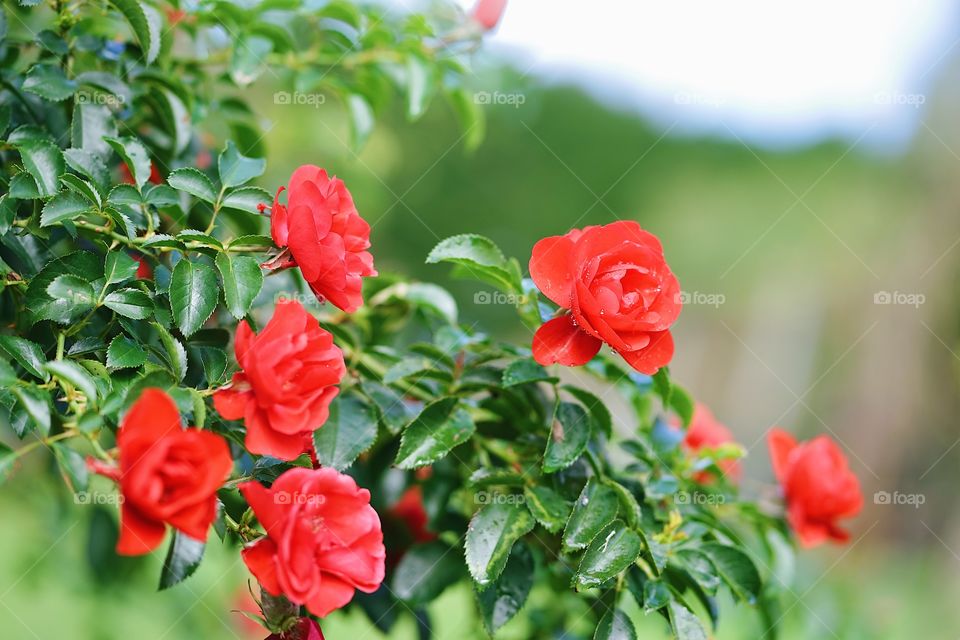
(237, 169)
(242, 280)
(479, 258)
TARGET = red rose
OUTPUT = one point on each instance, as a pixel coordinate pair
(289, 375)
(706, 431)
(619, 290)
(409, 509)
(818, 486)
(167, 474)
(325, 236)
(323, 538)
(487, 13)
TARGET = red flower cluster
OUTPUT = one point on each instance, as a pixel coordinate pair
(618, 288)
(818, 486)
(323, 539)
(707, 432)
(167, 474)
(325, 236)
(289, 375)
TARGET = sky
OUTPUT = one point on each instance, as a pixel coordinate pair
(770, 72)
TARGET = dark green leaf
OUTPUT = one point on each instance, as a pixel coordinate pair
(547, 506)
(72, 373)
(130, 303)
(615, 625)
(183, 558)
(193, 182)
(124, 353)
(596, 507)
(524, 371)
(350, 430)
(611, 551)
(145, 23)
(361, 119)
(568, 437)
(92, 125)
(36, 403)
(135, 156)
(685, 625)
(599, 414)
(44, 162)
(440, 427)
(737, 570)
(63, 206)
(28, 355)
(73, 466)
(490, 537)
(193, 295)
(49, 82)
(242, 280)
(75, 293)
(119, 266)
(247, 199)
(507, 595)
(425, 571)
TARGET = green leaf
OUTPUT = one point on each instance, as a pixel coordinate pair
(135, 156)
(524, 371)
(615, 625)
(251, 241)
(247, 199)
(23, 187)
(599, 414)
(361, 119)
(425, 571)
(36, 404)
(736, 569)
(421, 85)
(596, 507)
(350, 430)
(507, 595)
(237, 169)
(28, 355)
(130, 303)
(611, 551)
(8, 212)
(685, 625)
(82, 188)
(568, 437)
(471, 117)
(194, 182)
(440, 427)
(490, 537)
(176, 355)
(91, 125)
(547, 506)
(44, 162)
(242, 280)
(682, 404)
(119, 266)
(75, 375)
(73, 466)
(193, 295)
(63, 206)
(124, 353)
(145, 23)
(249, 58)
(89, 164)
(174, 115)
(479, 258)
(192, 235)
(75, 294)
(49, 82)
(183, 558)
(395, 412)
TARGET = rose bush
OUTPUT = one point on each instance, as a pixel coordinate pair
(353, 416)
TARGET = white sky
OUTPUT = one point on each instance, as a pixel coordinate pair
(774, 72)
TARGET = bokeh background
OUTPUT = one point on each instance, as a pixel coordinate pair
(800, 163)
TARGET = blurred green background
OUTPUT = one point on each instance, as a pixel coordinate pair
(785, 256)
